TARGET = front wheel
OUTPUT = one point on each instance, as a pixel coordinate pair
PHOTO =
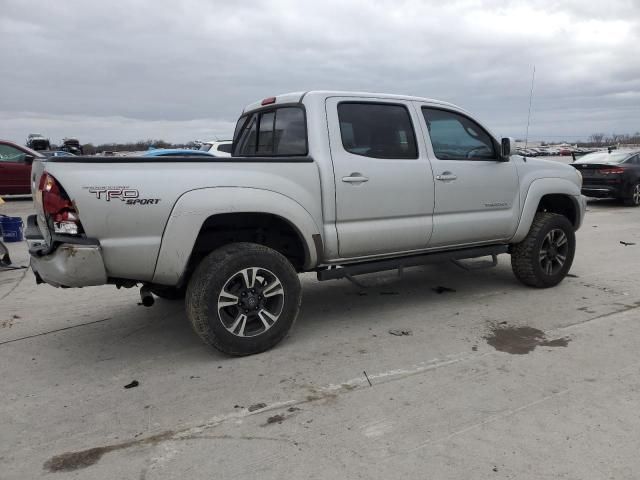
(243, 298)
(545, 255)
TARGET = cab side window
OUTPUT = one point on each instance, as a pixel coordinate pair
(11, 154)
(456, 137)
(378, 130)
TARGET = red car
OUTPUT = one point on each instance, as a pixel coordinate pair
(15, 168)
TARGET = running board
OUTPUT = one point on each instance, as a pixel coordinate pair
(333, 273)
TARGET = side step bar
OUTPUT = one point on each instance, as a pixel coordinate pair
(333, 273)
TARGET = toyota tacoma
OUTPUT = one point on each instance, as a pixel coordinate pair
(337, 183)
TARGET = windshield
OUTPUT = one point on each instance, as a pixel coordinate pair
(604, 157)
(205, 147)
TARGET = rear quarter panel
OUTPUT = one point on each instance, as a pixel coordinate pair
(131, 234)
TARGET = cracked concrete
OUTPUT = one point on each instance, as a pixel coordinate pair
(443, 403)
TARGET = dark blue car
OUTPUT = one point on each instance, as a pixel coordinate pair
(176, 152)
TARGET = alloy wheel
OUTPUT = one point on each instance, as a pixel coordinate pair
(553, 252)
(251, 302)
(635, 194)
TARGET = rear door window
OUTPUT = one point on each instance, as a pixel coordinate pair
(276, 132)
(456, 137)
(246, 144)
(377, 130)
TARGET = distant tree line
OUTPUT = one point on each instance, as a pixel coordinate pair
(601, 139)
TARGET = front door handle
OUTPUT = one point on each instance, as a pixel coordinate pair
(355, 178)
(446, 177)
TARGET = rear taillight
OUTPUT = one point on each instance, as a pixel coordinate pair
(611, 171)
(60, 212)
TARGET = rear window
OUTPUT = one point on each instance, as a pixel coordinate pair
(378, 130)
(604, 157)
(279, 131)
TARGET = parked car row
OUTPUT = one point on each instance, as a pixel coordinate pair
(16, 159)
(553, 151)
(37, 141)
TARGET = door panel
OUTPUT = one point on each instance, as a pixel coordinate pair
(384, 198)
(15, 172)
(476, 198)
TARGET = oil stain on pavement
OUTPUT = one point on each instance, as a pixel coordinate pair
(521, 340)
(70, 461)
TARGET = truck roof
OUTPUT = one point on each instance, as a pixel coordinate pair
(297, 97)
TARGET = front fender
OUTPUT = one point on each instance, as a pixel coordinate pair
(194, 207)
(538, 189)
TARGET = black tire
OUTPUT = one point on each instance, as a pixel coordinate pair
(526, 257)
(169, 293)
(222, 326)
(633, 200)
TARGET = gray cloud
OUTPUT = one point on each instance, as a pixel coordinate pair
(127, 70)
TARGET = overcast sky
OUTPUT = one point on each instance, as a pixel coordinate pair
(183, 70)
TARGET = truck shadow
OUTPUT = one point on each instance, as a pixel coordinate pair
(134, 334)
(339, 303)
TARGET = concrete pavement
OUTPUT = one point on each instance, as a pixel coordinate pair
(442, 402)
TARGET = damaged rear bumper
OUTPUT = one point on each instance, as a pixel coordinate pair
(65, 262)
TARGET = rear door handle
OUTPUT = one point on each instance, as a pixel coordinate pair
(355, 178)
(446, 177)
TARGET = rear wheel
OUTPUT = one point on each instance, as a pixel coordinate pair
(633, 199)
(243, 298)
(545, 256)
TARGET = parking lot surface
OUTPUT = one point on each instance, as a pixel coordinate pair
(441, 373)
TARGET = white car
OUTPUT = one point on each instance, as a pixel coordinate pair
(219, 148)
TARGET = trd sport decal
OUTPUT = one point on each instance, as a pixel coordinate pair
(130, 196)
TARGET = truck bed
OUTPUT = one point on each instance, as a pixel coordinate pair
(127, 202)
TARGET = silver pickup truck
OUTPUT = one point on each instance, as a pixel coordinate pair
(338, 183)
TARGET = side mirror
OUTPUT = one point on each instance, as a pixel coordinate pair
(506, 145)
(28, 158)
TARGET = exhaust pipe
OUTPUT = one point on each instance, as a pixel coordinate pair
(146, 296)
